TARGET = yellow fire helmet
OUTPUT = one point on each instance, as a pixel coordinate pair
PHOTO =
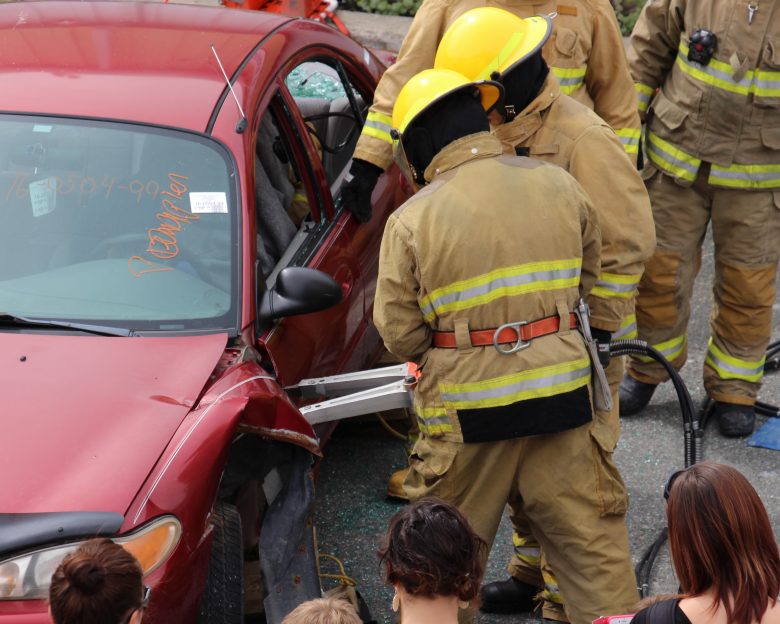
(431, 85)
(489, 39)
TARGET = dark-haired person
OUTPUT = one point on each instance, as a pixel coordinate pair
(723, 551)
(99, 583)
(433, 559)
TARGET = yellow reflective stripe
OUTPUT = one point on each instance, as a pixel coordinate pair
(629, 137)
(551, 590)
(527, 549)
(715, 73)
(766, 83)
(378, 125)
(670, 349)
(377, 134)
(721, 75)
(729, 367)
(380, 118)
(507, 389)
(627, 329)
(614, 285)
(745, 176)
(672, 159)
(433, 420)
(503, 282)
(644, 94)
(301, 198)
(570, 78)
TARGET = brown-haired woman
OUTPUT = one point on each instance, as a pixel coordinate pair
(723, 551)
(433, 559)
(99, 583)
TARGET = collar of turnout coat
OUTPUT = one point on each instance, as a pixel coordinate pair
(465, 149)
(529, 120)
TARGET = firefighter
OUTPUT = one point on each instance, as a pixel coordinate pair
(541, 121)
(479, 274)
(585, 52)
(709, 78)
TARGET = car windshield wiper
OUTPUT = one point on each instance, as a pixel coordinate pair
(99, 330)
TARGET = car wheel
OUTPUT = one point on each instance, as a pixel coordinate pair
(223, 600)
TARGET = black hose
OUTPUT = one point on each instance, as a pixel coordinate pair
(691, 429)
(644, 568)
(693, 434)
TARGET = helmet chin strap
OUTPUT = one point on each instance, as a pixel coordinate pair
(523, 83)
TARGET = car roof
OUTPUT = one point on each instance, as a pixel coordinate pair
(141, 61)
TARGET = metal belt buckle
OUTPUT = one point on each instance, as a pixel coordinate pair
(517, 346)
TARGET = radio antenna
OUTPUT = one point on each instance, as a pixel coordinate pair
(241, 125)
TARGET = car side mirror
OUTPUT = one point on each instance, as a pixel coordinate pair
(298, 290)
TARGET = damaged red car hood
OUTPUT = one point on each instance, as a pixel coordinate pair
(83, 419)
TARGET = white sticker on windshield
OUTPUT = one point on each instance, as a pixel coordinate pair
(202, 203)
(43, 196)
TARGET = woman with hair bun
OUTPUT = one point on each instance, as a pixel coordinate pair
(433, 559)
(99, 583)
(723, 551)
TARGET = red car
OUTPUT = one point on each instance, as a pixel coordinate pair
(161, 226)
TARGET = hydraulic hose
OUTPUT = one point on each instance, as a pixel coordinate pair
(693, 447)
(691, 429)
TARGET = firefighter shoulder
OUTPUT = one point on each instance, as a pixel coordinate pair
(585, 52)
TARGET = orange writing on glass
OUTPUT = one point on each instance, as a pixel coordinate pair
(163, 242)
(151, 267)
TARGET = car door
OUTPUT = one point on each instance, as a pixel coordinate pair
(317, 116)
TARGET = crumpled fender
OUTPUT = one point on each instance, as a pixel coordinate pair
(269, 412)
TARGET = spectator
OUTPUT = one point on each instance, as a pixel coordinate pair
(323, 611)
(433, 559)
(99, 583)
(723, 551)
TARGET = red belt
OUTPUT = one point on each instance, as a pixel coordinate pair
(518, 333)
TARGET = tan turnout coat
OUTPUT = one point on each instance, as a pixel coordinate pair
(558, 130)
(585, 52)
(726, 112)
(492, 239)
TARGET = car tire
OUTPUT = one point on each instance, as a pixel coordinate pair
(223, 599)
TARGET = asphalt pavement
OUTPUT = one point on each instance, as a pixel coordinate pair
(352, 510)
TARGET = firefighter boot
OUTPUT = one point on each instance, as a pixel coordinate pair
(735, 421)
(634, 395)
(395, 485)
(510, 596)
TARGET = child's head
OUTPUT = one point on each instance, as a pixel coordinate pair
(323, 611)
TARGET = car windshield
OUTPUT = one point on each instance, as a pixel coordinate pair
(116, 224)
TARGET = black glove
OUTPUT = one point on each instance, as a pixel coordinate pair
(602, 338)
(356, 192)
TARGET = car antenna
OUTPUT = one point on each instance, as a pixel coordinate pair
(241, 125)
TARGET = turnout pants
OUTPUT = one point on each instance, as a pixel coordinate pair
(528, 563)
(571, 496)
(746, 233)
